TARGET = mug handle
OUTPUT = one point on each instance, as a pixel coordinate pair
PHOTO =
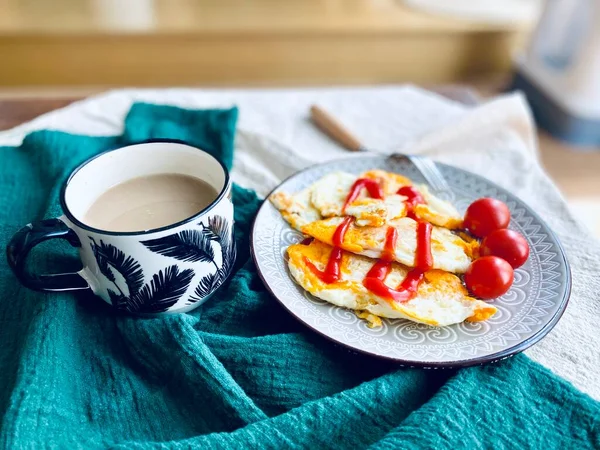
(28, 237)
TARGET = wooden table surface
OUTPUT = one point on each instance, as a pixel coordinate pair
(16, 111)
(576, 171)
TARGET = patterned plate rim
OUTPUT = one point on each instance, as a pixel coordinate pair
(480, 360)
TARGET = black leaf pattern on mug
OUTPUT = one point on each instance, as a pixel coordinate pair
(210, 234)
(218, 230)
(110, 257)
(197, 246)
(206, 286)
(187, 245)
(117, 300)
(219, 226)
(164, 290)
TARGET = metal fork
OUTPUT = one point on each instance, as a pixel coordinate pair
(338, 133)
(430, 172)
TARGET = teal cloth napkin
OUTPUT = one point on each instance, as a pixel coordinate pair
(239, 372)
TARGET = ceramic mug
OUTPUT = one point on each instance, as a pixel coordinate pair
(165, 270)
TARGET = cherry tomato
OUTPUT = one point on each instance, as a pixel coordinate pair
(489, 277)
(486, 215)
(506, 244)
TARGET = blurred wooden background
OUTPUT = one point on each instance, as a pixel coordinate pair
(243, 42)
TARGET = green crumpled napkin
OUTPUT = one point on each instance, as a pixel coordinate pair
(239, 372)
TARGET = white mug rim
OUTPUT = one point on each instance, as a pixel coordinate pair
(71, 217)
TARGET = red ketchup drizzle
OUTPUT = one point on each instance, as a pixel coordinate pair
(423, 257)
(331, 274)
(374, 280)
(340, 231)
(413, 198)
(389, 249)
(372, 186)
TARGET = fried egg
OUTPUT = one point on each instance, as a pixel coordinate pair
(296, 209)
(375, 212)
(450, 252)
(390, 182)
(327, 197)
(441, 299)
(435, 210)
(329, 193)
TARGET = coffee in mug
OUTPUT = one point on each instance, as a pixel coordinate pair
(148, 202)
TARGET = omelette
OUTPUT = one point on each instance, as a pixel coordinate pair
(434, 210)
(327, 197)
(440, 299)
(449, 251)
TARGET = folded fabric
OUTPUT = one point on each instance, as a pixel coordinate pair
(239, 372)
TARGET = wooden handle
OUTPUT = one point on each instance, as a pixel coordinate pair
(334, 129)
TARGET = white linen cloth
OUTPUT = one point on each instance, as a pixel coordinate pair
(497, 140)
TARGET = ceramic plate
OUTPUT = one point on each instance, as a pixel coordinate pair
(526, 313)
